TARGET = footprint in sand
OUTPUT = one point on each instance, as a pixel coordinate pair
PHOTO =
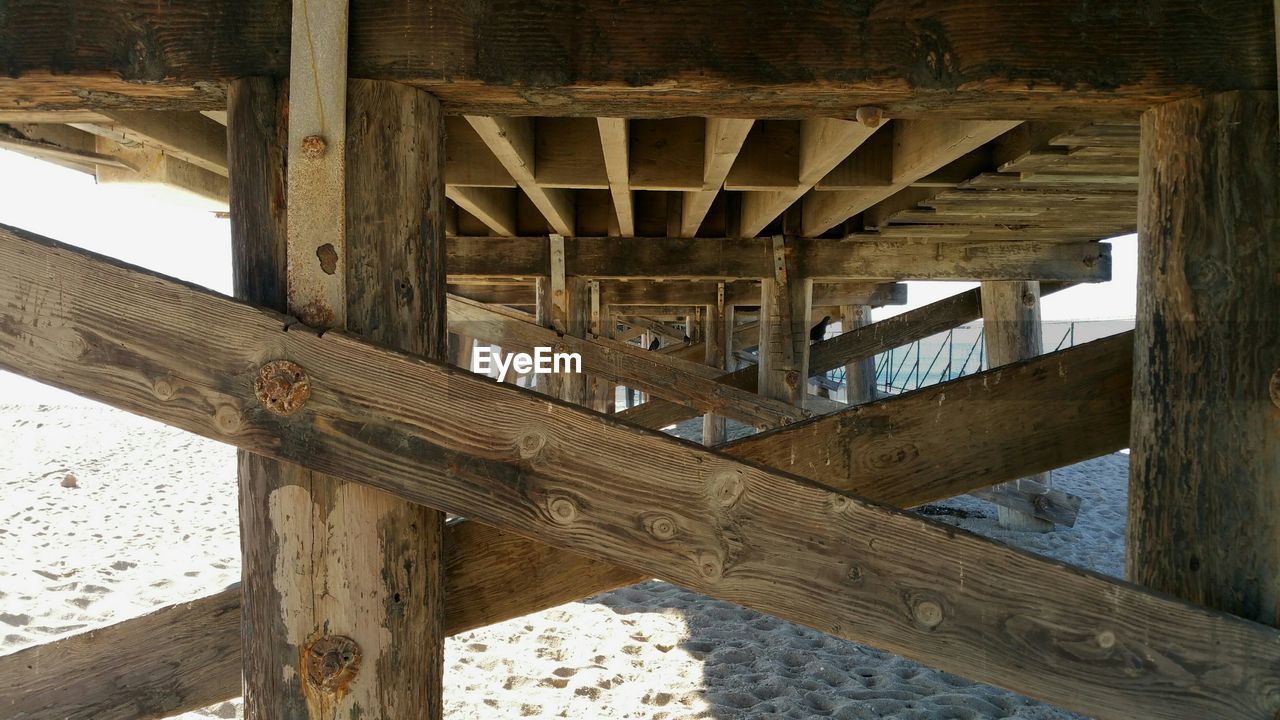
(19, 620)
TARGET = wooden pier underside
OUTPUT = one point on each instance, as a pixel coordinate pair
(608, 172)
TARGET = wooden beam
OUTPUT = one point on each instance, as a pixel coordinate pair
(920, 147)
(747, 292)
(860, 374)
(495, 207)
(785, 300)
(824, 144)
(1012, 331)
(717, 333)
(512, 141)
(549, 471)
(186, 135)
(724, 139)
(58, 153)
(1205, 458)
(616, 143)
(712, 259)
(149, 165)
(983, 59)
(691, 384)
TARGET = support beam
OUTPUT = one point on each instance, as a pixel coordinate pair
(860, 374)
(747, 292)
(189, 135)
(724, 139)
(478, 259)
(548, 471)
(616, 144)
(982, 59)
(364, 576)
(1012, 332)
(716, 336)
(785, 300)
(1205, 458)
(495, 207)
(920, 147)
(824, 144)
(512, 141)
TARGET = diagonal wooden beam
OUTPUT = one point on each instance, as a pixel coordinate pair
(724, 139)
(920, 147)
(512, 141)
(687, 383)
(824, 144)
(186, 135)
(495, 207)
(549, 471)
(615, 141)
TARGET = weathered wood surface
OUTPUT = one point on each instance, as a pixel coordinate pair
(823, 260)
(859, 375)
(986, 58)
(1012, 331)
(908, 450)
(1052, 506)
(690, 384)
(187, 656)
(363, 565)
(734, 530)
(1203, 487)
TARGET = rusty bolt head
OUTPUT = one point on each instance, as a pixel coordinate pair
(313, 146)
(1275, 389)
(282, 387)
(330, 663)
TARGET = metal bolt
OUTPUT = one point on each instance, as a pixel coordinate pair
(313, 146)
(331, 662)
(282, 387)
(870, 116)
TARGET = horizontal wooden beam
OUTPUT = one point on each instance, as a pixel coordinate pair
(695, 517)
(479, 258)
(978, 59)
(187, 656)
(747, 292)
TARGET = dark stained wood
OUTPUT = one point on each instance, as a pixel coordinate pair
(187, 656)
(1203, 487)
(546, 470)
(749, 58)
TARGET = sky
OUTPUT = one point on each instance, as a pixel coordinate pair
(178, 234)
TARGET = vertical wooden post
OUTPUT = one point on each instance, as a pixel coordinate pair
(564, 303)
(714, 339)
(785, 305)
(342, 583)
(859, 375)
(1204, 473)
(1011, 326)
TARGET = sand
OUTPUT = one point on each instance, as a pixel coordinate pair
(150, 519)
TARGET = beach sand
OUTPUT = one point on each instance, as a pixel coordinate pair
(149, 519)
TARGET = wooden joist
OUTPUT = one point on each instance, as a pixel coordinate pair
(724, 139)
(979, 59)
(737, 531)
(823, 260)
(512, 141)
(745, 292)
(186, 135)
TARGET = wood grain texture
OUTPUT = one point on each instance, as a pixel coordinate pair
(982, 58)
(824, 260)
(1202, 476)
(188, 656)
(546, 470)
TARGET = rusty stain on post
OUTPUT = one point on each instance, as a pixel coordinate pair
(330, 664)
(282, 387)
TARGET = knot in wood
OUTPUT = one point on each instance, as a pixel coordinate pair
(710, 566)
(661, 527)
(727, 488)
(282, 387)
(330, 663)
(854, 574)
(1106, 639)
(1029, 299)
(1275, 389)
(313, 146)
(562, 510)
(928, 614)
(227, 419)
(530, 444)
(163, 389)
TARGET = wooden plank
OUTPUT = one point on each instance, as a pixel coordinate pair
(568, 154)
(468, 161)
(691, 384)
(824, 144)
(667, 154)
(512, 141)
(1206, 396)
(980, 59)
(734, 530)
(495, 207)
(724, 140)
(617, 145)
(825, 260)
(717, 334)
(1034, 415)
(1051, 506)
(187, 135)
(920, 147)
(785, 301)
(58, 153)
(747, 292)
